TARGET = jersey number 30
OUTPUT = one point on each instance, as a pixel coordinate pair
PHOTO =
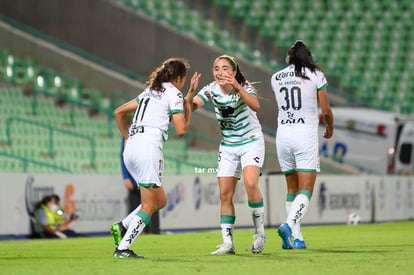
(293, 98)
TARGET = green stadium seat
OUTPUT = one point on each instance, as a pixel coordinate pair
(19, 72)
(339, 33)
(240, 8)
(269, 28)
(12, 165)
(256, 13)
(225, 3)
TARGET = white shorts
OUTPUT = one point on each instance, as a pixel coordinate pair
(145, 162)
(297, 149)
(232, 159)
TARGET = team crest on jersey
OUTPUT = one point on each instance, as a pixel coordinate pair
(226, 110)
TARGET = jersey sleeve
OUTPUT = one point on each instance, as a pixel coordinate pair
(249, 89)
(321, 81)
(205, 94)
(176, 102)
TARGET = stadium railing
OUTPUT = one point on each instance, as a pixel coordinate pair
(26, 162)
(52, 131)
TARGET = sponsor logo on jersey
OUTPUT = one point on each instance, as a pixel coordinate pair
(281, 75)
(134, 129)
(293, 121)
(229, 124)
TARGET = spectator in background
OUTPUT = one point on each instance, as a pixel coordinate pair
(61, 215)
(52, 219)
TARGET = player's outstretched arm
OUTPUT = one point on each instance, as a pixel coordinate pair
(180, 123)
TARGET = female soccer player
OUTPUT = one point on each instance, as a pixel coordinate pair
(298, 88)
(153, 108)
(241, 149)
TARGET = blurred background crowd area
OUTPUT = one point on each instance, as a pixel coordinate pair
(66, 65)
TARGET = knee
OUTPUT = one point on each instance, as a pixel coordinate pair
(251, 187)
(226, 197)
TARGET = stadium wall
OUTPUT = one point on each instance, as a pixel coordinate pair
(101, 200)
(48, 55)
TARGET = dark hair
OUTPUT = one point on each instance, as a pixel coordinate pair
(45, 200)
(300, 56)
(236, 67)
(167, 72)
(55, 197)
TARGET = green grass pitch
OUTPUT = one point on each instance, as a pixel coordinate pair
(386, 248)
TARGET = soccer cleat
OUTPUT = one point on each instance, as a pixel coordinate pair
(298, 244)
(118, 231)
(258, 243)
(126, 253)
(225, 248)
(285, 234)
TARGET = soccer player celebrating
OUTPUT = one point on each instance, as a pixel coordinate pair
(298, 88)
(161, 101)
(241, 149)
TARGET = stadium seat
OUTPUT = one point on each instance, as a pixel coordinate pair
(239, 8)
(361, 43)
(225, 3)
(179, 15)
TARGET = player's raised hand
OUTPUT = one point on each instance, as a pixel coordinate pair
(231, 79)
(193, 86)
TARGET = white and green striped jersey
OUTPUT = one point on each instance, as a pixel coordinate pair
(153, 115)
(238, 123)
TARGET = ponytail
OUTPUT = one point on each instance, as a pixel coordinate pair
(169, 70)
(300, 56)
